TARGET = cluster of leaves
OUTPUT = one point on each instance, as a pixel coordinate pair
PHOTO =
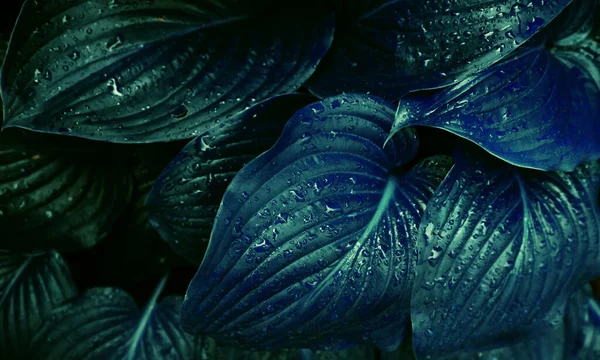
(299, 155)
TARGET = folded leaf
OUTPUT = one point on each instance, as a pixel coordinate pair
(313, 243)
(500, 251)
(577, 337)
(146, 71)
(406, 45)
(539, 110)
(30, 287)
(57, 198)
(105, 323)
(185, 198)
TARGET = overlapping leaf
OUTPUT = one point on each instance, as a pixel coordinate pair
(159, 70)
(30, 287)
(53, 197)
(105, 323)
(577, 337)
(540, 109)
(500, 251)
(405, 45)
(185, 198)
(313, 244)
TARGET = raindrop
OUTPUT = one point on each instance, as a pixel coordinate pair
(180, 112)
(114, 43)
(112, 83)
(75, 55)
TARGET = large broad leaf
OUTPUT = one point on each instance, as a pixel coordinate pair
(313, 245)
(577, 337)
(213, 351)
(30, 287)
(406, 45)
(185, 198)
(144, 71)
(105, 323)
(58, 197)
(500, 251)
(539, 110)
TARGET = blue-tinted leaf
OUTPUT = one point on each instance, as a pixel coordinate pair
(30, 287)
(105, 323)
(55, 197)
(408, 45)
(313, 243)
(577, 337)
(500, 251)
(145, 71)
(184, 200)
(539, 110)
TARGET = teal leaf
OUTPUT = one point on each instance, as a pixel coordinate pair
(500, 251)
(31, 286)
(159, 70)
(313, 245)
(105, 323)
(184, 200)
(56, 194)
(401, 46)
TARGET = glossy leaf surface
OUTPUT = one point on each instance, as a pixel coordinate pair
(105, 323)
(540, 110)
(30, 287)
(406, 45)
(313, 244)
(185, 198)
(500, 251)
(159, 70)
(57, 197)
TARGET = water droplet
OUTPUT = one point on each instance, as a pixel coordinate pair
(115, 43)
(180, 112)
(112, 83)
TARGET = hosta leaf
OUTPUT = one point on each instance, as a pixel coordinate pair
(185, 198)
(57, 197)
(30, 287)
(105, 323)
(216, 352)
(539, 110)
(313, 243)
(577, 337)
(575, 24)
(158, 70)
(500, 251)
(406, 45)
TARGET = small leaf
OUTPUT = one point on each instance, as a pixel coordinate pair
(147, 71)
(403, 46)
(184, 200)
(30, 287)
(539, 110)
(500, 251)
(105, 323)
(313, 243)
(58, 198)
